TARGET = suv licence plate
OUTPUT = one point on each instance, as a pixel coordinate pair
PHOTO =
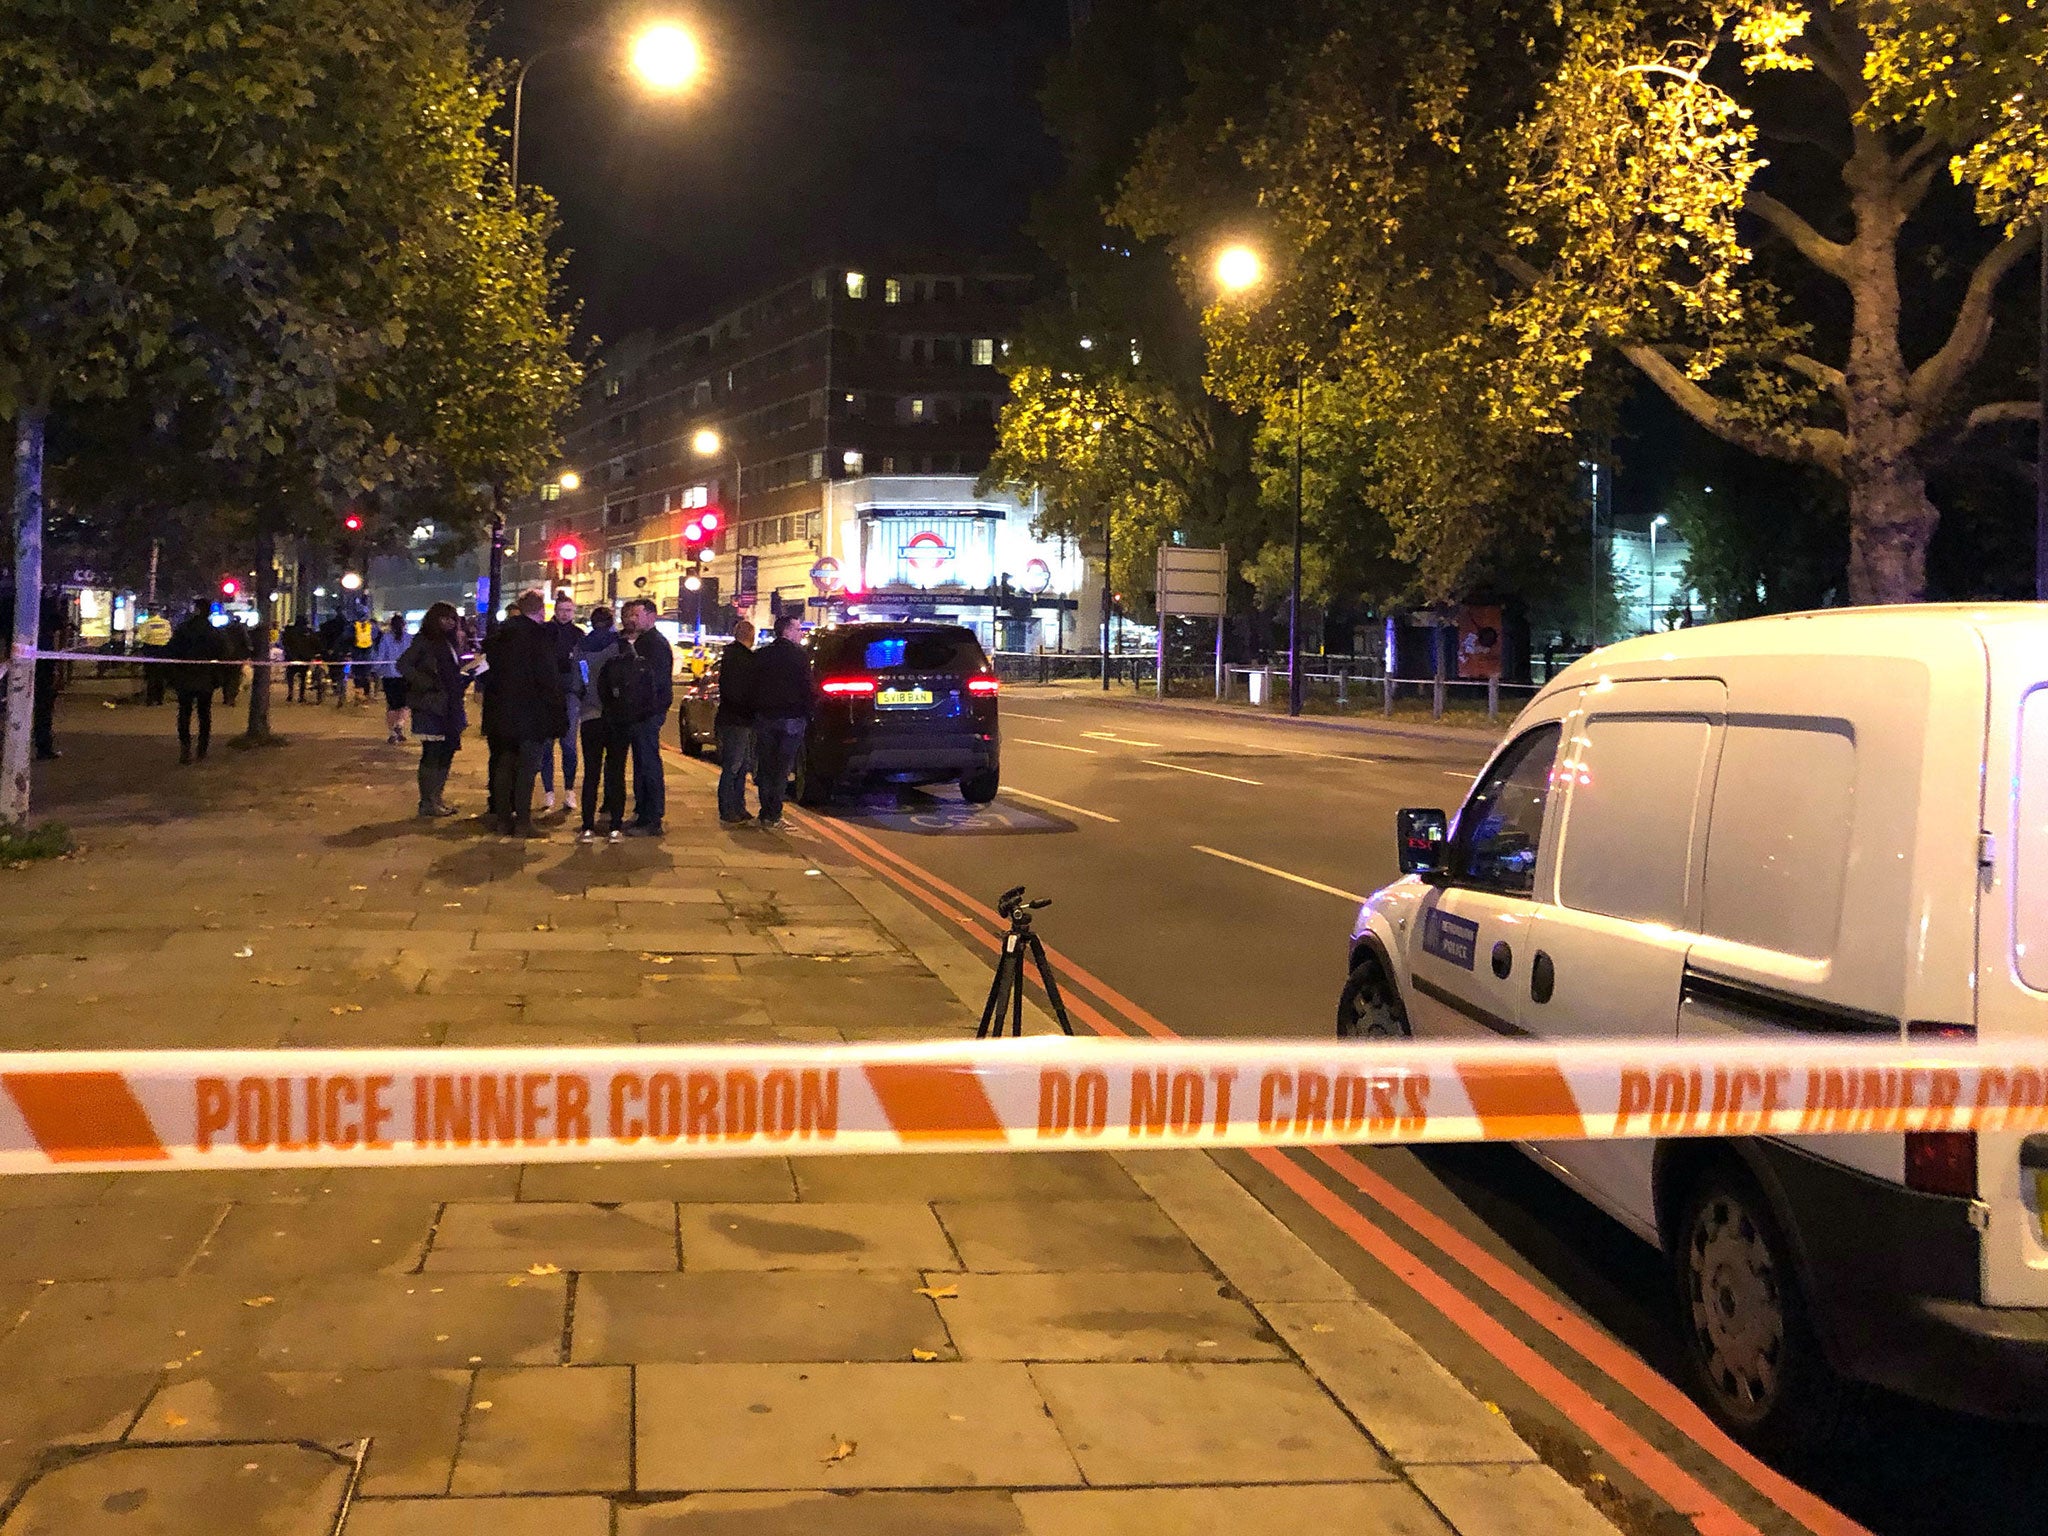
(904, 698)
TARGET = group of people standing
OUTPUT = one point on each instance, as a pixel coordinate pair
(765, 700)
(596, 698)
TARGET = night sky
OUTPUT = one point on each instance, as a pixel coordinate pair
(818, 126)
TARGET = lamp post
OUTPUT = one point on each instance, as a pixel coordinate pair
(1239, 268)
(708, 444)
(1659, 521)
(664, 56)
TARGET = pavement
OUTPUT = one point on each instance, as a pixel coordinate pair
(1025, 1343)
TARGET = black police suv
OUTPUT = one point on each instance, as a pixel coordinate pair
(900, 703)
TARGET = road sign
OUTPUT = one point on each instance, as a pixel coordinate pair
(1192, 582)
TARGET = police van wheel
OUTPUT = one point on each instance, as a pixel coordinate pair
(980, 788)
(693, 744)
(1369, 1007)
(1758, 1367)
(809, 789)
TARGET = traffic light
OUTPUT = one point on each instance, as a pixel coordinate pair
(352, 520)
(230, 588)
(710, 521)
(566, 552)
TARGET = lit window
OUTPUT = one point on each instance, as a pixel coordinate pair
(611, 389)
(853, 461)
(892, 291)
(1137, 354)
(916, 408)
(856, 285)
(1006, 346)
(697, 496)
(818, 286)
(984, 351)
(551, 492)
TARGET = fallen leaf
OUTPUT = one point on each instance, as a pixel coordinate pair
(360, 887)
(939, 1292)
(659, 959)
(1205, 1343)
(841, 1451)
(346, 1008)
(1321, 1328)
(485, 1403)
(924, 1354)
(543, 1269)
(244, 952)
(175, 1420)
(258, 1301)
(540, 927)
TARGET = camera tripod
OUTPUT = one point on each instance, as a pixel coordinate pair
(1006, 993)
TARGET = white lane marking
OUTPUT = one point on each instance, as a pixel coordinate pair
(1467, 777)
(1122, 741)
(1205, 773)
(1027, 741)
(1018, 714)
(1278, 874)
(1011, 789)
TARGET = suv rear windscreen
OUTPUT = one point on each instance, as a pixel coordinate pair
(953, 651)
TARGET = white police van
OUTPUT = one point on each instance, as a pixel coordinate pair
(1828, 825)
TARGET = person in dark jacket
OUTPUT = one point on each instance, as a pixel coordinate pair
(783, 701)
(235, 649)
(564, 633)
(434, 684)
(734, 724)
(301, 647)
(523, 712)
(195, 640)
(650, 788)
(604, 740)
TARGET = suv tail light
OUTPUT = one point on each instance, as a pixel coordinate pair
(848, 687)
(1942, 1162)
(983, 687)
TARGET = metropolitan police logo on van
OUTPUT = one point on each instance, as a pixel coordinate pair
(1455, 939)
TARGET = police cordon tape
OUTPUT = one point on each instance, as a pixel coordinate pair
(281, 1108)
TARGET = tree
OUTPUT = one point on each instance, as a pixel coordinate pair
(242, 212)
(1511, 194)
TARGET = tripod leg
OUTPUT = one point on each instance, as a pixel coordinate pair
(1017, 997)
(1052, 987)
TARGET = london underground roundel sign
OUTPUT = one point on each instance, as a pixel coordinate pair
(926, 554)
(1037, 576)
(825, 575)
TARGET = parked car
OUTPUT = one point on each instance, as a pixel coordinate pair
(901, 703)
(1831, 825)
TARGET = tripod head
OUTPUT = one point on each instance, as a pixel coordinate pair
(1012, 905)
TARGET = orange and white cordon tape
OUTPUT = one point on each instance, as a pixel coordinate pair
(268, 1109)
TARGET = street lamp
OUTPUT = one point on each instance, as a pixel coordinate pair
(1659, 521)
(1239, 269)
(664, 56)
(568, 480)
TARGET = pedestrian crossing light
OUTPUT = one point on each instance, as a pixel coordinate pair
(567, 551)
(709, 522)
(353, 522)
(230, 588)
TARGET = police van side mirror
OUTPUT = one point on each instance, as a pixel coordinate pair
(1420, 835)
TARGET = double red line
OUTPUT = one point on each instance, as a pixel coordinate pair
(1108, 1012)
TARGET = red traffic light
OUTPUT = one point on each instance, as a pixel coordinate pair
(567, 551)
(229, 587)
(709, 521)
(694, 532)
(353, 522)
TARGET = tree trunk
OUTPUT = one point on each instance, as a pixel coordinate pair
(1891, 519)
(258, 732)
(28, 612)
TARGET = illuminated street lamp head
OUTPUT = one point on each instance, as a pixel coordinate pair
(569, 480)
(706, 442)
(666, 57)
(1238, 267)
(350, 581)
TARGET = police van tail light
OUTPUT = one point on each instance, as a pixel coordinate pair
(848, 687)
(1942, 1163)
(983, 687)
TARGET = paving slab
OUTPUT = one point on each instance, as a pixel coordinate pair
(585, 1516)
(1360, 1509)
(1100, 1316)
(1416, 1410)
(186, 1490)
(1251, 1245)
(693, 1181)
(412, 1418)
(1067, 1235)
(739, 1315)
(1509, 1501)
(710, 1427)
(814, 1235)
(514, 1237)
(840, 1514)
(962, 1176)
(548, 1429)
(1194, 1423)
(84, 1410)
(281, 1240)
(101, 1242)
(20, 1191)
